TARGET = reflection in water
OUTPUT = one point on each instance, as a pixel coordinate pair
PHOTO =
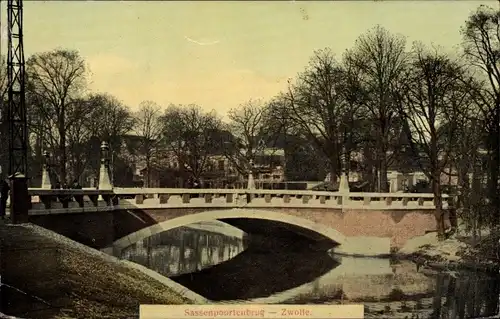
(407, 292)
(183, 250)
(472, 295)
(256, 274)
(388, 290)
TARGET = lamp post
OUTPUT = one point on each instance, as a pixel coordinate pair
(344, 179)
(105, 154)
(344, 182)
(46, 181)
(104, 180)
(112, 168)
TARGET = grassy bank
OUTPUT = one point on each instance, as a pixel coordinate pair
(454, 253)
(50, 276)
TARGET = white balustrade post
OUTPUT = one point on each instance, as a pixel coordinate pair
(344, 188)
(104, 180)
(46, 184)
(251, 181)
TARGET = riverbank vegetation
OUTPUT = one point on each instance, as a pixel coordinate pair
(457, 252)
(45, 275)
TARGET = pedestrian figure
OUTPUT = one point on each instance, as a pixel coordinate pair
(78, 198)
(189, 182)
(65, 198)
(196, 183)
(76, 185)
(4, 195)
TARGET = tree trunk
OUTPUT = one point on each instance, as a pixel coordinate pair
(37, 160)
(452, 201)
(382, 161)
(368, 167)
(334, 174)
(475, 199)
(438, 202)
(63, 157)
(148, 173)
(334, 169)
(77, 168)
(461, 203)
(384, 187)
(369, 176)
(495, 170)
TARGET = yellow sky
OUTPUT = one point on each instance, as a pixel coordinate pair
(220, 54)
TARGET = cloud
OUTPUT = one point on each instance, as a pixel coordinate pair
(201, 43)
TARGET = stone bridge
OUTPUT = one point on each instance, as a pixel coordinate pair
(368, 224)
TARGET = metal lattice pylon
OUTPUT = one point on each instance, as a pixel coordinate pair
(17, 124)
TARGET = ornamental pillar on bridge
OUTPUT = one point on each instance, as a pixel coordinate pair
(344, 180)
(344, 188)
(251, 181)
(46, 183)
(104, 180)
(344, 184)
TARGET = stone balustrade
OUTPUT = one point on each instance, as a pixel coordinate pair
(45, 201)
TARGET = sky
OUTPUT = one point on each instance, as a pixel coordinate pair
(221, 54)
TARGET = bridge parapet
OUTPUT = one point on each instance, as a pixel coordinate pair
(46, 201)
(70, 200)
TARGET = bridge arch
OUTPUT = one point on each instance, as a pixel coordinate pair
(323, 230)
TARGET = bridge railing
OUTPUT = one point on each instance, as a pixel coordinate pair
(82, 200)
(73, 199)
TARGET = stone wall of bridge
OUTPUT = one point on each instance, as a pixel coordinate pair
(94, 229)
(101, 218)
(399, 225)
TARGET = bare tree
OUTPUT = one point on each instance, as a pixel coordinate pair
(192, 136)
(55, 81)
(111, 119)
(380, 58)
(251, 135)
(433, 103)
(319, 105)
(148, 127)
(278, 123)
(78, 136)
(468, 160)
(481, 35)
(102, 118)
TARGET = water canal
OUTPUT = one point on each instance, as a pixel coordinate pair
(216, 261)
